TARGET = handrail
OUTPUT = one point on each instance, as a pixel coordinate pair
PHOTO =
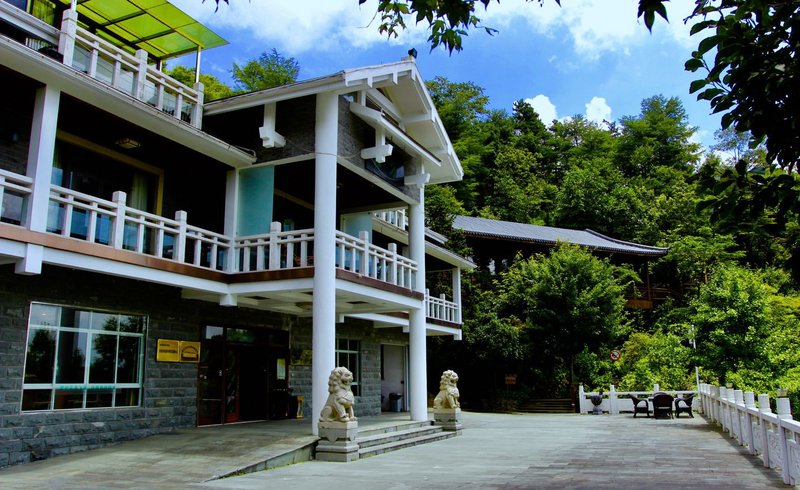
(16, 188)
(440, 308)
(387, 265)
(275, 250)
(775, 437)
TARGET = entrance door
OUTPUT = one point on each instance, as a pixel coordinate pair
(242, 376)
(393, 379)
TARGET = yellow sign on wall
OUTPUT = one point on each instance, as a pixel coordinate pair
(168, 350)
(177, 351)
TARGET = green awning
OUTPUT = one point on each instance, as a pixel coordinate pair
(156, 26)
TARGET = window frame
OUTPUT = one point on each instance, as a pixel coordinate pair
(345, 354)
(85, 388)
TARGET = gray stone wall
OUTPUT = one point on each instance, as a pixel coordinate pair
(170, 390)
(294, 120)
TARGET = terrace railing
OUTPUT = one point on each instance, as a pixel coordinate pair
(14, 192)
(362, 257)
(275, 250)
(441, 309)
(775, 437)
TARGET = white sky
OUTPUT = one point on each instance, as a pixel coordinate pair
(590, 57)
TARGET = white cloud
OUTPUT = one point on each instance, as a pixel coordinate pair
(598, 110)
(300, 25)
(546, 109)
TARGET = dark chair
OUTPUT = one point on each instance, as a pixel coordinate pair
(640, 405)
(684, 404)
(662, 405)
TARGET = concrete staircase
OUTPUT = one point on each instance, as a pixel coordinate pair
(550, 405)
(373, 441)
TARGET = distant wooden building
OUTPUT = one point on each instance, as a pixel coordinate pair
(495, 243)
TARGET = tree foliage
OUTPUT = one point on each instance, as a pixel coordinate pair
(268, 70)
(213, 88)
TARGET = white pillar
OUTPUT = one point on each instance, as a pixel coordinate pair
(40, 168)
(324, 307)
(457, 293)
(231, 217)
(66, 38)
(417, 321)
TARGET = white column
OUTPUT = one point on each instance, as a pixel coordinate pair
(40, 168)
(66, 38)
(416, 336)
(231, 216)
(324, 308)
(457, 293)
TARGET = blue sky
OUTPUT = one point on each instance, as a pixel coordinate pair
(591, 57)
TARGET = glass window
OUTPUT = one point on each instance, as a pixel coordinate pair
(347, 355)
(78, 358)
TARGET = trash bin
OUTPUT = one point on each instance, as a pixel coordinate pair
(396, 402)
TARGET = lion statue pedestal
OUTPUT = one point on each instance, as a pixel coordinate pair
(338, 425)
(446, 406)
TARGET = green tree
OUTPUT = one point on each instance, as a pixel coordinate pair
(518, 194)
(268, 70)
(731, 317)
(460, 104)
(569, 301)
(213, 88)
(660, 357)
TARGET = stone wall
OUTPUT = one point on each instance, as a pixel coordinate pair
(169, 390)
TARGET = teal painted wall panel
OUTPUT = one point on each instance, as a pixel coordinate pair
(256, 198)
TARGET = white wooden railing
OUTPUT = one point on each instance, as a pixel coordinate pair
(81, 216)
(14, 192)
(275, 250)
(132, 75)
(441, 309)
(396, 217)
(360, 256)
(775, 437)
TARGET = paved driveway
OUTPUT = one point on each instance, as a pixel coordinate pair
(494, 451)
(542, 451)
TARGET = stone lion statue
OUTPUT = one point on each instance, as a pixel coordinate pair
(339, 406)
(448, 392)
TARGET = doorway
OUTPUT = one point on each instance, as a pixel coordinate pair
(393, 377)
(242, 376)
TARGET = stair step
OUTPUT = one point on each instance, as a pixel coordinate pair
(404, 443)
(399, 426)
(384, 438)
(547, 405)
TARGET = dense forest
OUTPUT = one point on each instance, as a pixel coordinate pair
(731, 272)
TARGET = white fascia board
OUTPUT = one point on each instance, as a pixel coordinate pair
(380, 75)
(399, 137)
(111, 267)
(437, 330)
(383, 320)
(12, 248)
(245, 288)
(79, 85)
(284, 92)
(403, 302)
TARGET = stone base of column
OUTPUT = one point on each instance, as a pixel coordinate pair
(448, 418)
(337, 441)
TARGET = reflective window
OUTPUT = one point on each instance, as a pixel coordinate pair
(79, 358)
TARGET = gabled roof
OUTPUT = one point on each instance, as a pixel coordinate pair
(157, 26)
(406, 111)
(548, 235)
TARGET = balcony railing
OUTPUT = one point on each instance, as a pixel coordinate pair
(87, 218)
(360, 256)
(132, 75)
(441, 309)
(14, 192)
(396, 217)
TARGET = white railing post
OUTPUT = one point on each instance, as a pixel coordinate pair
(750, 406)
(393, 279)
(738, 400)
(274, 246)
(180, 241)
(444, 311)
(118, 235)
(784, 413)
(141, 75)
(581, 400)
(66, 39)
(764, 410)
(613, 407)
(656, 388)
(197, 110)
(364, 262)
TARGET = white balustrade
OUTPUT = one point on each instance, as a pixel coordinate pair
(132, 75)
(275, 250)
(773, 436)
(440, 308)
(358, 255)
(396, 217)
(14, 192)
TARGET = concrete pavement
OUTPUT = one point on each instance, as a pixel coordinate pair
(511, 451)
